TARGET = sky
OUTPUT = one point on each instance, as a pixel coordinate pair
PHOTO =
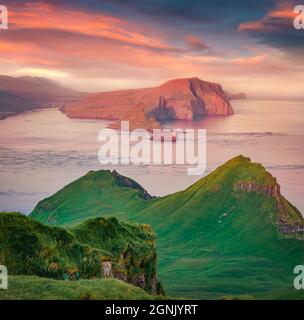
(248, 46)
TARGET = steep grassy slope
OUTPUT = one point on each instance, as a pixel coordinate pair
(222, 235)
(231, 233)
(97, 248)
(98, 192)
(35, 288)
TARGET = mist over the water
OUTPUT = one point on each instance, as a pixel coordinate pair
(42, 151)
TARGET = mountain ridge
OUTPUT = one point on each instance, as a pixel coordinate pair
(249, 177)
(20, 94)
(35, 85)
(231, 232)
(103, 185)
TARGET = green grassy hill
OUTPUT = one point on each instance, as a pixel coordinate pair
(102, 191)
(222, 235)
(231, 233)
(127, 251)
(35, 288)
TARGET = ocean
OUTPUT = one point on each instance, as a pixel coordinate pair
(42, 151)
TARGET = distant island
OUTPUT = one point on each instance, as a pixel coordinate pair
(20, 94)
(178, 99)
(236, 96)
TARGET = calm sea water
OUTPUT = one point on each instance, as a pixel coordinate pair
(42, 151)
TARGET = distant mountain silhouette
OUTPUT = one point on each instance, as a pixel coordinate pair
(19, 94)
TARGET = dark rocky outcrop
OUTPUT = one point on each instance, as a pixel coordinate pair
(286, 223)
(271, 190)
(127, 182)
(287, 229)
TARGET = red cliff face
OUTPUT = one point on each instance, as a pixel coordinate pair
(137, 118)
(180, 99)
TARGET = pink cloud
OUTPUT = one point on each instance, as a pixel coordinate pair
(33, 15)
(279, 18)
(196, 42)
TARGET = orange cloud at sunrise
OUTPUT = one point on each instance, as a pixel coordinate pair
(284, 12)
(46, 16)
(96, 50)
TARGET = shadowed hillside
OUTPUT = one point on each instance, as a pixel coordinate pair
(96, 248)
(19, 94)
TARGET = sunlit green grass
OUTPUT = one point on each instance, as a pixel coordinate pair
(35, 288)
(213, 239)
(28, 247)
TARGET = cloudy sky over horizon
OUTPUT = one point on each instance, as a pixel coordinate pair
(246, 45)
